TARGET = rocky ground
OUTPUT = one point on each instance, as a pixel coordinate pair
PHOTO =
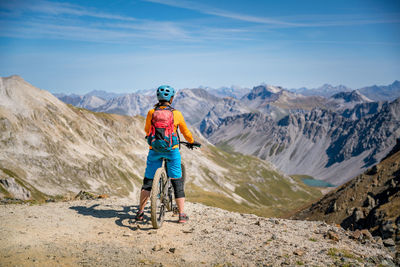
(100, 233)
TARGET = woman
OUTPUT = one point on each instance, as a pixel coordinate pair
(161, 127)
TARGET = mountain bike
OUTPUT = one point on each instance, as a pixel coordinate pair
(162, 191)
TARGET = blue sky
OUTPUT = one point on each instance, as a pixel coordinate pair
(122, 46)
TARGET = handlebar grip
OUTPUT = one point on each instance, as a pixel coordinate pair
(191, 145)
(196, 144)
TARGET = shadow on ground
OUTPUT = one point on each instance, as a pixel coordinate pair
(124, 217)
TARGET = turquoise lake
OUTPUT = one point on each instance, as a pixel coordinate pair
(317, 183)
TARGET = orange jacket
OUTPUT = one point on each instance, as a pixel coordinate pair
(178, 121)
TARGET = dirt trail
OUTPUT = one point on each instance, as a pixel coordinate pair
(98, 233)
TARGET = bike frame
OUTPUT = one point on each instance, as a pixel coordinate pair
(161, 192)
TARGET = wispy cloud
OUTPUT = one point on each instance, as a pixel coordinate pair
(122, 33)
(284, 22)
(140, 32)
(54, 20)
(56, 8)
(221, 13)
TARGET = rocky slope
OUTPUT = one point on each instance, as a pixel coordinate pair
(87, 101)
(129, 104)
(100, 233)
(195, 104)
(369, 201)
(225, 108)
(49, 148)
(57, 148)
(363, 109)
(320, 143)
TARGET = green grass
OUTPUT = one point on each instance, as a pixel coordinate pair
(280, 149)
(267, 192)
(335, 253)
(244, 136)
(4, 192)
(272, 150)
(332, 252)
(9, 172)
(301, 176)
(225, 147)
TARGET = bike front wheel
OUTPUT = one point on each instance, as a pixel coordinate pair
(159, 197)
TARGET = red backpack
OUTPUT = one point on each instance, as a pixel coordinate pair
(162, 137)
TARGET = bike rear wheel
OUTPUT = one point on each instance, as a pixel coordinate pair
(159, 197)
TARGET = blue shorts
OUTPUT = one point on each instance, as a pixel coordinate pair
(154, 161)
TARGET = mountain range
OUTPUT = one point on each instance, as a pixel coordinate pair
(374, 92)
(283, 126)
(49, 149)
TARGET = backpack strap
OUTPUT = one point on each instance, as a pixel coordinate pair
(179, 138)
(166, 107)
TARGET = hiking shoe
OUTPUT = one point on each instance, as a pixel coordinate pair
(139, 215)
(183, 218)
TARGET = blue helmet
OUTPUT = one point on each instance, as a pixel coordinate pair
(165, 92)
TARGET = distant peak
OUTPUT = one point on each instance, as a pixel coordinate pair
(396, 82)
(352, 96)
(15, 77)
(269, 88)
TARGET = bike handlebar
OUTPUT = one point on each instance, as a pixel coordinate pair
(191, 145)
(188, 145)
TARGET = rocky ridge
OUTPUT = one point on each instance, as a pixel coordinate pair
(370, 201)
(102, 232)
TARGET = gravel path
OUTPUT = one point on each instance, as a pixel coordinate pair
(99, 233)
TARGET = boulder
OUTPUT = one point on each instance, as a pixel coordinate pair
(369, 202)
(366, 234)
(332, 235)
(389, 242)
